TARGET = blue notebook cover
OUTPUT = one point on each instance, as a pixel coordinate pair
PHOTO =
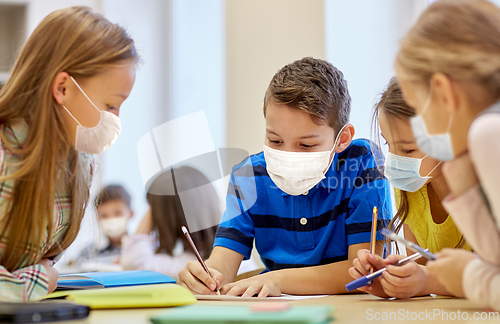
(92, 280)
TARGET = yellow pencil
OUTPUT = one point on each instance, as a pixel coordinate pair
(373, 239)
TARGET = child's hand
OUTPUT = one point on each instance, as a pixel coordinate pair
(195, 278)
(460, 175)
(264, 285)
(402, 281)
(52, 273)
(449, 268)
(361, 267)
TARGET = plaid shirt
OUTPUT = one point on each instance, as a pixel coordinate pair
(30, 282)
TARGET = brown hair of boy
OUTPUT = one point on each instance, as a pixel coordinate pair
(314, 86)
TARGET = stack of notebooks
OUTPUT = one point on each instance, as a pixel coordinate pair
(123, 289)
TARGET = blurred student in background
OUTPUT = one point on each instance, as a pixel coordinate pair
(113, 214)
(159, 244)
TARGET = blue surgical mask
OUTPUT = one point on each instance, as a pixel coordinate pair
(437, 146)
(404, 172)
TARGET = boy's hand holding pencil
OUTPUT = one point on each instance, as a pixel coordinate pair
(197, 276)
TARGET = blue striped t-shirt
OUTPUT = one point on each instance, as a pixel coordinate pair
(311, 229)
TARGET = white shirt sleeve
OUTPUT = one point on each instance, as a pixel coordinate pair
(481, 283)
(138, 253)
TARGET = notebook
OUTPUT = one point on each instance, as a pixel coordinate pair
(241, 314)
(93, 280)
(159, 295)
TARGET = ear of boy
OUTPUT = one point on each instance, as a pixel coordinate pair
(345, 138)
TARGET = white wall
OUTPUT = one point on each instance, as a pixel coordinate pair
(182, 44)
(198, 66)
(262, 37)
(146, 106)
(361, 39)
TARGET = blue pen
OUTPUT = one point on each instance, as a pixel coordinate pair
(366, 280)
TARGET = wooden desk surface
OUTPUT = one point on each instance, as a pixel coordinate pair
(349, 309)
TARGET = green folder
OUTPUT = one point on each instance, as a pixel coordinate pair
(214, 314)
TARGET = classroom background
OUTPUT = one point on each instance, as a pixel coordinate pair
(219, 56)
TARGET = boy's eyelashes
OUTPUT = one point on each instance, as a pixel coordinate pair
(305, 146)
(275, 142)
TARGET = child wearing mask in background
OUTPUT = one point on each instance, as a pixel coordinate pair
(113, 209)
(60, 104)
(419, 187)
(315, 189)
(448, 69)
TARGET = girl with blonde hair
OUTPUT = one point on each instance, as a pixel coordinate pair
(448, 67)
(59, 106)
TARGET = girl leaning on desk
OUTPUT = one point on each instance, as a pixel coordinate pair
(58, 108)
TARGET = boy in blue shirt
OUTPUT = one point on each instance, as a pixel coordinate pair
(306, 200)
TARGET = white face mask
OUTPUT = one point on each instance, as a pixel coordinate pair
(404, 172)
(297, 172)
(437, 146)
(114, 227)
(97, 139)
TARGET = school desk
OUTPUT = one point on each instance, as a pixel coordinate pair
(349, 309)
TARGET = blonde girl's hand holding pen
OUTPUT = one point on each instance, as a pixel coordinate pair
(449, 268)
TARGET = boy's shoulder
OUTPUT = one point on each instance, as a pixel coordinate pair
(359, 155)
(255, 163)
(358, 148)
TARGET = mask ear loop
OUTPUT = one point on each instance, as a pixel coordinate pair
(72, 116)
(84, 94)
(335, 144)
(427, 176)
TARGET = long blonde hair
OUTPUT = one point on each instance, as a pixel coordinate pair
(82, 43)
(460, 38)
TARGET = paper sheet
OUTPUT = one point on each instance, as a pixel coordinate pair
(239, 298)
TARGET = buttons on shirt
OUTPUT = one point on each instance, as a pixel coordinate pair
(305, 193)
(303, 221)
